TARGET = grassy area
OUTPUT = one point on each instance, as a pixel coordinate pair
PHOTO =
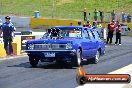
(69, 9)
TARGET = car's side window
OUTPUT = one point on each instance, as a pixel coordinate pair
(90, 34)
(94, 36)
(86, 35)
(97, 35)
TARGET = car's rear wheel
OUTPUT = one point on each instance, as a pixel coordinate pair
(96, 58)
(33, 61)
(78, 61)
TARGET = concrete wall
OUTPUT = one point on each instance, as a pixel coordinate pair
(43, 22)
(25, 23)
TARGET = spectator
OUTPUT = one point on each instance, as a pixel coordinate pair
(99, 26)
(71, 24)
(103, 33)
(0, 22)
(101, 16)
(94, 25)
(7, 28)
(0, 30)
(118, 33)
(129, 29)
(89, 16)
(85, 14)
(95, 15)
(79, 23)
(128, 18)
(88, 24)
(113, 15)
(123, 17)
(84, 25)
(111, 27)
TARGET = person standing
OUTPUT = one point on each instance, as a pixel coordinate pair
(0, 22)
(94, 25)
(88, 25)
(95, 15)
(79, 23)
(111, 27)
(7, 28)
(118, 33)
(71, 24)
(99, 26)
(128, 18)
(101, 16)
(123, 17)
(85, 14)
(84, 24)
(0, 30)
(113, 15)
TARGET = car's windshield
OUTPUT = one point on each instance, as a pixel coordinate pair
(71, 33)
(64, 32)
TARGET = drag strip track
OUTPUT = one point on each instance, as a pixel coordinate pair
(116, 51)
(17, 73)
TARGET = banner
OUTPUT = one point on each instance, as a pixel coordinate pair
(24, 40)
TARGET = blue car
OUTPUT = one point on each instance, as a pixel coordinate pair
(72, 44)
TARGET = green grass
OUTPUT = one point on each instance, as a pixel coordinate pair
(68, 9)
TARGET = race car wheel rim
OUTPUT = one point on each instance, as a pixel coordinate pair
(97, 57)
(79, 58)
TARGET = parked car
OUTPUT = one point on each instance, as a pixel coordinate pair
(124, 29)
(72, 44)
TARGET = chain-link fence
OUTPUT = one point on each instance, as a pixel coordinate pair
(66, 9)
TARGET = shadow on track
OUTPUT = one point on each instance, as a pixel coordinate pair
(62, 65)
(46, 65)
(25, 65)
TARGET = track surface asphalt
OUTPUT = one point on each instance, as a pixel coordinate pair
(17, 73)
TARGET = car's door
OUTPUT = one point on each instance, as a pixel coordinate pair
(86, 44)
(94, 41)
(100, 43)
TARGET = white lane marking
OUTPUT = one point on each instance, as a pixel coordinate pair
(125, 70)
(102, 86)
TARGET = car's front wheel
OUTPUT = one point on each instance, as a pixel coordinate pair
(77, 61)
(33, 61)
